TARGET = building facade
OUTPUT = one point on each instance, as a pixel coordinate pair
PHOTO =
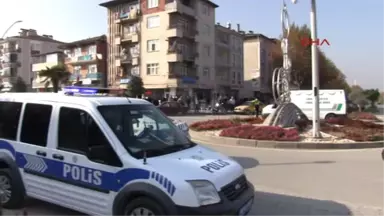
(87, 61)
(168, 43)
(257, 66)
(229, 60)
(16, 54)
(41, 62)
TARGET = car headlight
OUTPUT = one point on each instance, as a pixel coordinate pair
(205, 191)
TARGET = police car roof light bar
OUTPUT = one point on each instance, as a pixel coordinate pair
(71, 90)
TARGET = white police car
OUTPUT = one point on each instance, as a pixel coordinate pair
(111, 156)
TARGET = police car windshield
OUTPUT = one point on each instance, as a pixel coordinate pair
(143, 128)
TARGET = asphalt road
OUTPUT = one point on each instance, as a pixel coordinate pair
(298, 182)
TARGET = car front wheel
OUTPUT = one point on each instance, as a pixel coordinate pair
(11, 196)
(143, 206)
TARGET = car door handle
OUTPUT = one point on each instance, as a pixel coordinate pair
(57, 156)
(41, 153)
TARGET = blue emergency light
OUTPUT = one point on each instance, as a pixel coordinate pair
(89, 90)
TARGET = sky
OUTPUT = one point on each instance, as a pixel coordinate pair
(354, 29)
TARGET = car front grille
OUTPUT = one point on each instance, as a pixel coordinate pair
(234, 189)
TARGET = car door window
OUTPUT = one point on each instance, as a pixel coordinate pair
(35, 124)
(9, 119)
(79, 133)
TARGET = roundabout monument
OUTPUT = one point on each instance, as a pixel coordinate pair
(286, 112)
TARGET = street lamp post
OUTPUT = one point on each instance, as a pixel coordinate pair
(315, 72)
(6, 31)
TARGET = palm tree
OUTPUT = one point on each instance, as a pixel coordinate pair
(55, 75)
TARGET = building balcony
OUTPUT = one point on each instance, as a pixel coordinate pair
(10, 64)
(132, 37)
(35, 52)
(84, 59)
(14, 49)
(125, 59)
(7, 72)
(178, 7)
(95, 76)
(43, 66)
(132, 16)
(175, 56)
(178, 31)
(174, 32)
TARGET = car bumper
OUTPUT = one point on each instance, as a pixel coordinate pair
(243, 203)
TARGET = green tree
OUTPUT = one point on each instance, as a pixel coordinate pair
(330, 77)
(55, 76)
(135, 87)
(358, 97)
(372, 95)
(18, 85)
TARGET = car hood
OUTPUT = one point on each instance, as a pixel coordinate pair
(195, 164)
(242, 107)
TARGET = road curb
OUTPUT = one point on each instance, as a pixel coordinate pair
(204, 138)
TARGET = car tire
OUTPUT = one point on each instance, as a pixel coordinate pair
(143, 206)
(330, 115)
(13, 194)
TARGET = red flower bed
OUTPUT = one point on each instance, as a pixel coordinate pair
(354, 129)
(261, 133)
(216, 124)
(352, 123)
(363, 116)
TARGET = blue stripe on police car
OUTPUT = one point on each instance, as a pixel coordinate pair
(163, 181)
(75, 174)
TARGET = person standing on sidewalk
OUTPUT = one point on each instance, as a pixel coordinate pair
(256, 104)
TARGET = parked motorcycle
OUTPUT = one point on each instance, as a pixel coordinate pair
(219, 108)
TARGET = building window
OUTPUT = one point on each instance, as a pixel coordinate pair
(153, 3)
(135, 71)
(153, 69)
(205, 10)
(77, 70)
(92, 68)
(206, 72)
(207, 50)
(92, 49)
(207, 30)
(153, 45)
(77, 51)
(239, 78)
(153, 21)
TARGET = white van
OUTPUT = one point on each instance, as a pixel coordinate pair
(111, 156)
(332, 103)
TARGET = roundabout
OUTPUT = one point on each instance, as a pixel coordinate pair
(338, 133)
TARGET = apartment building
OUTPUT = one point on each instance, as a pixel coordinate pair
(257, 66)
(87, 61)
(229, 59)
(169, 43)
(16, 54)
(41, 62)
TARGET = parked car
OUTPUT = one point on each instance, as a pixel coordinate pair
(172, 108)
(245, 108)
